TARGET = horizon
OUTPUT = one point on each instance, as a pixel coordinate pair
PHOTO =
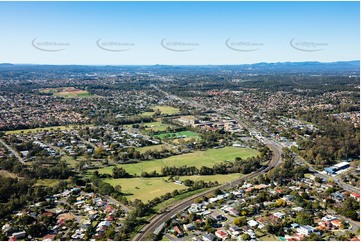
(283, 62)
(178, 33)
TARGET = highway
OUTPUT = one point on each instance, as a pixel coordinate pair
(180, 206)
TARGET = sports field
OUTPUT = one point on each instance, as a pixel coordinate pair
(148, 188)
(145, 189)
(68, 92)
(157, 126)
(163, 110)
(153, 148)
(197, 159)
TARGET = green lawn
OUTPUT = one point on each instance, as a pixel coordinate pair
(145, 189)
(80, 93)
(197, 159)
(152, 148)
(148, 188)
(182, 134)
(47, 182)
(157, 126)
(70, 160)
(163, 110)
(147, 114)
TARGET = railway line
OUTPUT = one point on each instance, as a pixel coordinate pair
(158, 220)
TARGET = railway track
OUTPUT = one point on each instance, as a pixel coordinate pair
(175, 209)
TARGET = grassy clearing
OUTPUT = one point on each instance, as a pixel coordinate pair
(47, 182)
(145, 189)
(163, 110)
(149, 188)
(68, 92)
(147, 114)
(166, 109)
(197, 159)
(157, 126)
(70, 161)
(7, 174)
(177, 135)
(152, 148)
(74, 94)
(65, 127)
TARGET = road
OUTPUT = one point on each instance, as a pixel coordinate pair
(355, 225)
(112, 200)
(75, 132)
(325, 176)
(16, 154)
(180, 206)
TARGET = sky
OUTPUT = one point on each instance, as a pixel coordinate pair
(178, 33)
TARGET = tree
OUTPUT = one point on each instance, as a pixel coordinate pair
(280, 202)
(118, 188)
(245, 237)
(3, 237)
(110, 233)
(240, 221)
(36, 230)
(304, 219)
(71, 199)
(119, 172)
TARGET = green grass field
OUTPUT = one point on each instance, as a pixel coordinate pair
(182, 134)
(144, 189)
(67, 127)
(148, 188)
(157, 126)
(67, 92)
(47, 182)
(152, 148)
(83, 94)
(197, 159)
(163, 110)
(70, 161)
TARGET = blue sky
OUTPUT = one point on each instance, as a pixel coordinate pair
(192, 32)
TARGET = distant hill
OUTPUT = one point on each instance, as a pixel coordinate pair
(309, 67)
